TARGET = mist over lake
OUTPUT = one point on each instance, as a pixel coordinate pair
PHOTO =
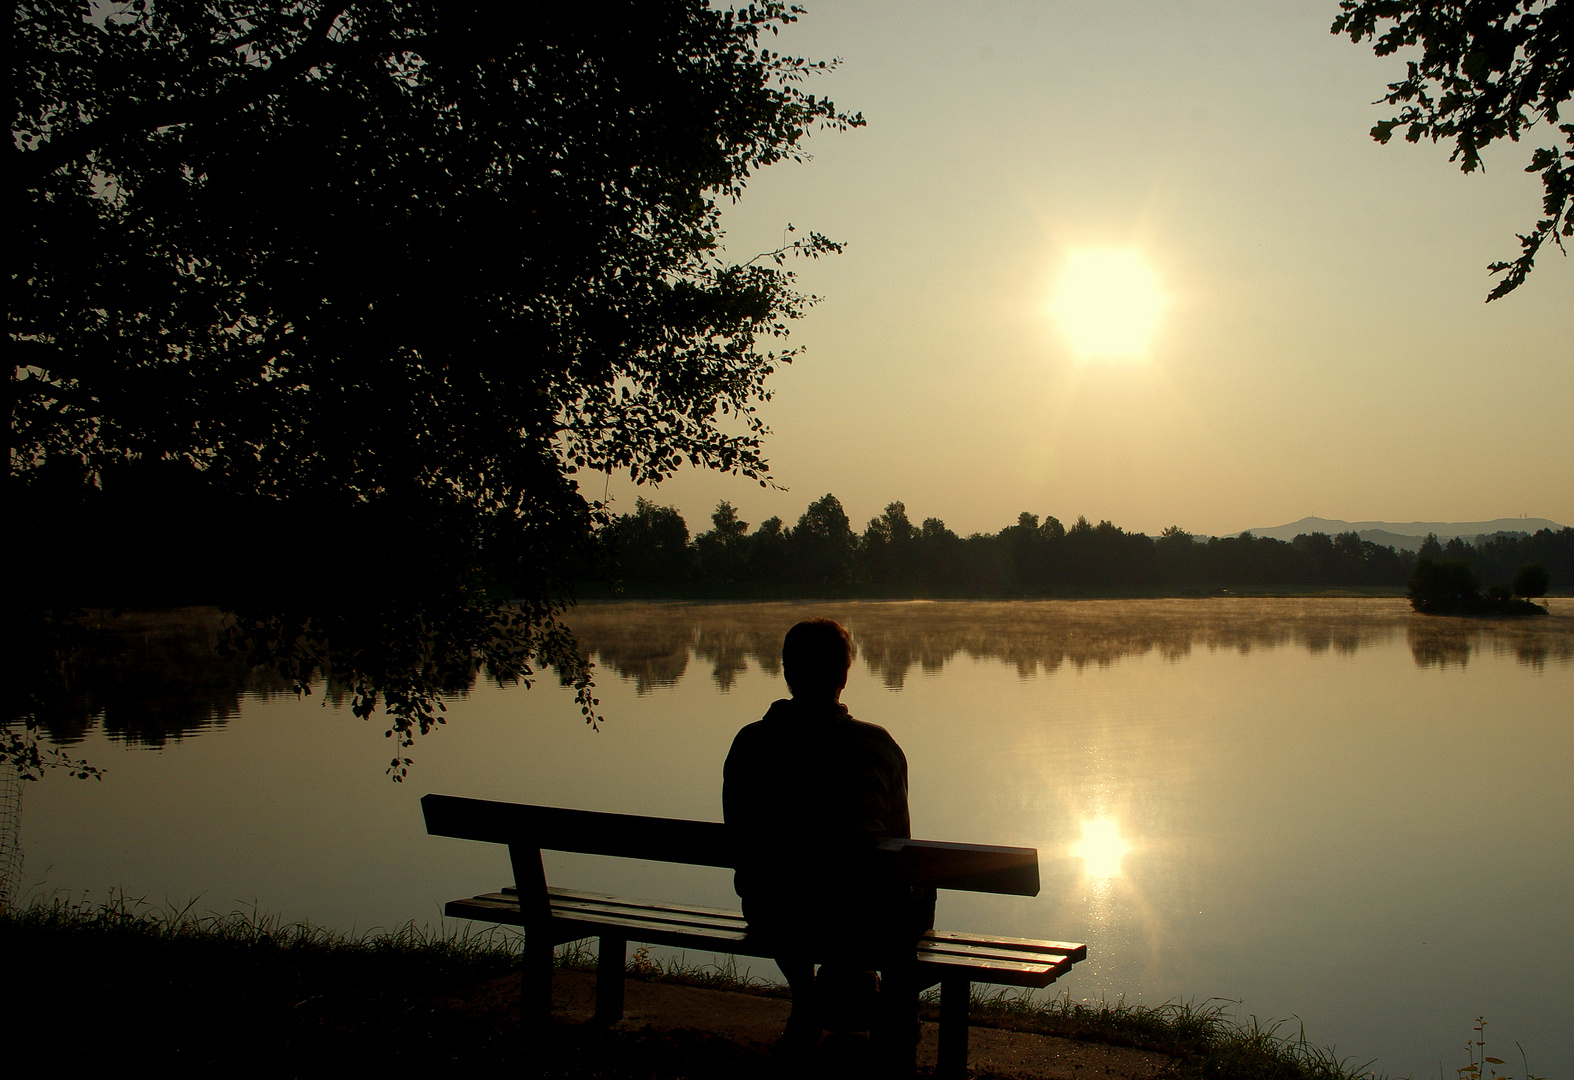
(1329, 809)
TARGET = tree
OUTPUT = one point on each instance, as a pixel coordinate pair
(720, 552)
(1489, 69)
(1448, 587)
(887, 547)
(404, 271)
(1532, 581)
(650, 545)
(823, 543)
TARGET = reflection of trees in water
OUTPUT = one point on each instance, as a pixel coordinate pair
(151, 676)
(1443, 640)
(651, 643)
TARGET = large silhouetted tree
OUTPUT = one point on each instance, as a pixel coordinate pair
(721, 553)
(397, 272)
(823, 543)
(1488, 70)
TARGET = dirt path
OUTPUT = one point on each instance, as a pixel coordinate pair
(755, 1021)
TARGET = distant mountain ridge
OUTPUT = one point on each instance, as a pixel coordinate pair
(1406, 536)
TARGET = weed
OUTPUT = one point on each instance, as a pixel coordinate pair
(1477, 1049)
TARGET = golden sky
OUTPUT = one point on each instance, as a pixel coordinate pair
(1322, 347)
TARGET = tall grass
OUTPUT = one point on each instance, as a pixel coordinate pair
(124, 918)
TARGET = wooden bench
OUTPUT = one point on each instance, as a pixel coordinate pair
(552, 916)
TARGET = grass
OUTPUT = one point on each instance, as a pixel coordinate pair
(1205, 1039)
(123, 984)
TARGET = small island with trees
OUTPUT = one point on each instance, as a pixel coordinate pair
(1445, 583)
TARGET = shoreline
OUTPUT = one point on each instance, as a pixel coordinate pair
(191, 992)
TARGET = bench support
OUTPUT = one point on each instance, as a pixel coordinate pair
(530, 881)
(609, 979)
(955, 995)
(535, 997)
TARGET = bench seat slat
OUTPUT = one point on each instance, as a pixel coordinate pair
(941, 948)
(1004, 975)
(1010, 961)
(562, 900)
(1016, 967)
(588, 910)
(1068, 948)
(731, 914)
(1005, 963)
(658, 933)
(483, 907)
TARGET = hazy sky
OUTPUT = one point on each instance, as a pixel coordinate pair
(1324, 348)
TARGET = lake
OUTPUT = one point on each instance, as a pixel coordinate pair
(1326, 809)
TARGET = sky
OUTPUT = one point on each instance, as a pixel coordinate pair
(1323, 347)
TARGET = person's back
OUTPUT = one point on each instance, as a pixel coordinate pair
(807, 791)
(811, 789)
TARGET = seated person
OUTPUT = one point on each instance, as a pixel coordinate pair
(810, 789)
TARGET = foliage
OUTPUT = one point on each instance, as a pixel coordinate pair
(824, 543)
(52, 645)
(1488, 70)
(1447, 577)
(1033, 557)
(1483, 1067)
(1446, 587)
(391, 275)
(720, 553)
(649, 544)
(1532, 581)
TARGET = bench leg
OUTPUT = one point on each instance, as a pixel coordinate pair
(955, 993)
(535, 997)
(609, 979)
(896, 1024)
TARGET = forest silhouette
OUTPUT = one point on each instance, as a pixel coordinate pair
(650, 552)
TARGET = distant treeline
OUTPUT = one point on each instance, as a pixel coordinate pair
(651, 549)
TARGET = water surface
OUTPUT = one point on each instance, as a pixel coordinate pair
(1331, 809)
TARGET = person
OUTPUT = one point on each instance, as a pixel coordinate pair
(809, 790)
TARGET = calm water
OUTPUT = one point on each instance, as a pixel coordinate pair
(1326, 809)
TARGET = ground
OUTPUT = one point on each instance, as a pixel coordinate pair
(753, 1021)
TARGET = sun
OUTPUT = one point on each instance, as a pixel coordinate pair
(1108, 303)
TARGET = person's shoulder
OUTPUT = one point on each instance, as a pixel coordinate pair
(875, 736)
(760, 729)
(870, 731)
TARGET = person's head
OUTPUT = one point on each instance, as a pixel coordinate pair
(816, 656)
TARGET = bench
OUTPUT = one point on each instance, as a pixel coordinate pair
(551, 916)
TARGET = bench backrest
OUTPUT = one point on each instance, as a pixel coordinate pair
(531, 829)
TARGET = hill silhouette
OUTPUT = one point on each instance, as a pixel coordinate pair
(1406, 536)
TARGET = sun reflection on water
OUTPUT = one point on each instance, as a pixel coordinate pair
(1101, 847)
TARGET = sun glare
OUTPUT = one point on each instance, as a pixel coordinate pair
(1108, 303)
(1101, 847)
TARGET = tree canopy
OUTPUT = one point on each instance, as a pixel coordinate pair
(395, 274)
(1488, 70)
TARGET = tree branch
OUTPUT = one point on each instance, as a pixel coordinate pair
(30, 166)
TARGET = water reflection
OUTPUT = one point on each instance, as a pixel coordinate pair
(1101, 848)
(152, 677)
(1449, 641)
(652, 644)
